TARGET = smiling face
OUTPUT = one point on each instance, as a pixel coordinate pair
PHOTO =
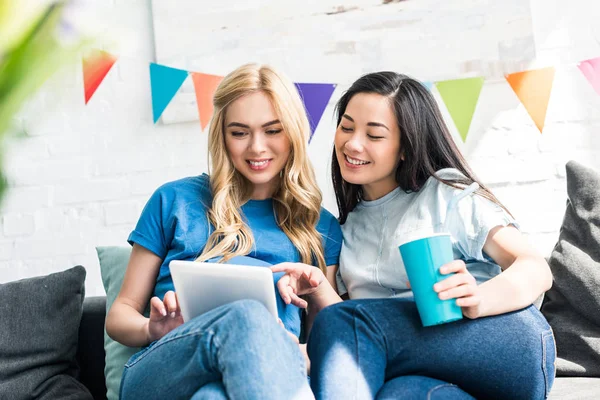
(256, 142)
(367, 144)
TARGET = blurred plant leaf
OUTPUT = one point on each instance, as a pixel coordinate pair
(27, 64)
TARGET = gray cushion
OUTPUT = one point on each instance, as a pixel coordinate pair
(38, 336)
(572, 305)
(575, 389)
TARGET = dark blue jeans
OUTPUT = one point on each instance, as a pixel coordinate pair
(237, 351)
(377, 348)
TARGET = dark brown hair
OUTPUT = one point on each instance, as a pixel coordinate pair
(426, 143)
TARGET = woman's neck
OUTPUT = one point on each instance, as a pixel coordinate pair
(377, 190)
(265, 190)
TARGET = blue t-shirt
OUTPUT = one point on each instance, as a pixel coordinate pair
(174, 225)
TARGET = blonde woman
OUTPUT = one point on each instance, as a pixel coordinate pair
(261, 202)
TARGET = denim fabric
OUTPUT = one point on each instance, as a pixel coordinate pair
(508, 356)
(239, 344)
(211, 391)
(421, 388)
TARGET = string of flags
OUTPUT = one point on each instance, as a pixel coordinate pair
(532, 88)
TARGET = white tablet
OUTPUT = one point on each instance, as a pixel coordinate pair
(202, 286)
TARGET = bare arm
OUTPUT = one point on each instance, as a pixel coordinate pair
(323, 297)
(525, 274)
(125, 322)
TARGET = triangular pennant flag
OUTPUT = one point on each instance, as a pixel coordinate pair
(591, 70)
(164, 82)
(460, 97)
(533, 89)
(316, 97)
(205, 86)
(96, 65)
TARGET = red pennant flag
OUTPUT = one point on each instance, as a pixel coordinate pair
(533, 89)
(95, 67)
(205, 86)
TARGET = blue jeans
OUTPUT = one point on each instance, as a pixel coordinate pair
(373, 348)
(237, 351)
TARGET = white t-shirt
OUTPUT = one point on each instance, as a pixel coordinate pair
(370, 262)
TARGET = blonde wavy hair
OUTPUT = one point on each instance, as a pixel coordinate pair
(297, 200)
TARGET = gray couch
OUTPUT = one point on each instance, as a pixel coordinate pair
(90, 351)
(90, 356)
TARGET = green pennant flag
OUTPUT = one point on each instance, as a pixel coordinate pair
(460, 97)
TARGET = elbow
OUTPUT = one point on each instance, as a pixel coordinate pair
(109, 324)
(548, 282)
(543, 276)
(546, 276)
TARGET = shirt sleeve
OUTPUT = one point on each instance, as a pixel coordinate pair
(333, 241)
(472, 221)
(341, 286)
(152, 229)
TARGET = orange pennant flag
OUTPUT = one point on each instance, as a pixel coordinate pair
(95, 67)
(205, 86)
(533, 89)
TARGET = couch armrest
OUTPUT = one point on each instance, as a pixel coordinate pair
(90, 351)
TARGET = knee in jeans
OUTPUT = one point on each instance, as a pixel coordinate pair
(250, 314)
(329, 318)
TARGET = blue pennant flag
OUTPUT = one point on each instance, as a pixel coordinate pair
(165, 82)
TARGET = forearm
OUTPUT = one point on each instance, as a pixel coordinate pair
(127, 326)
(516, 287)
(323, 297)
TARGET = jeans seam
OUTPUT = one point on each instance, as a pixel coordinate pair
(545, 371)
(169, 340)
(302, 363)
(218, 348)
(430, 392)
(357, 346)
(374, 322)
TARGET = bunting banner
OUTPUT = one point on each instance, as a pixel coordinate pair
(315, 97)
(591, 71)
(460, 97)
(96, 65)
(205, 86)
(533, 90)
(164, 83)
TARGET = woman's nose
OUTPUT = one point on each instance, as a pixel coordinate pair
(257, 143)
(354, 144)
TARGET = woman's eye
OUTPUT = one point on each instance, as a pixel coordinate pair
(237, 133)
(345, 129)
(375, 137)
(273, 131)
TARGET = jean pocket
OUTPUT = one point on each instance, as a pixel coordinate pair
(548, 359)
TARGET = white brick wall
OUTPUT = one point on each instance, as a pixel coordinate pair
(81, 175)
